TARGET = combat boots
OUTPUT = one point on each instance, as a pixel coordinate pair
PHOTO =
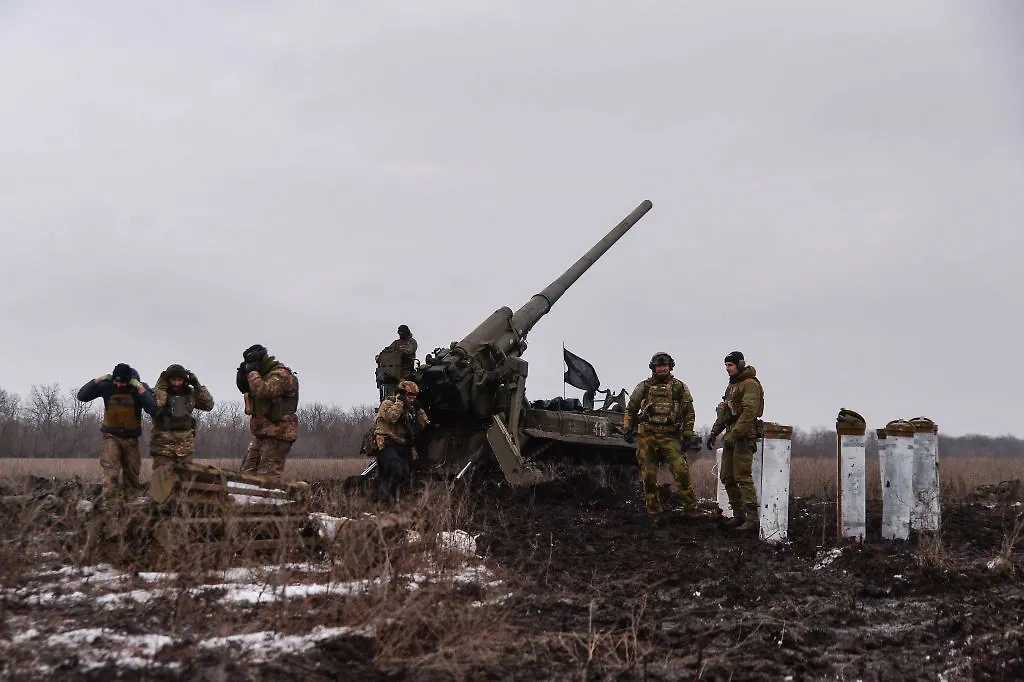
(751, 521)
(739, 516)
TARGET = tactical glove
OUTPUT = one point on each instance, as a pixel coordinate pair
(136, 384)
(629, 436)
(252, 367)
(105, 377)
(193, 381)
(710, 443)
(241, 379)
(691, 442)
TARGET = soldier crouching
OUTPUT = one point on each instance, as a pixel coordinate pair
(177, 393)
(271, 393)
(399, 421)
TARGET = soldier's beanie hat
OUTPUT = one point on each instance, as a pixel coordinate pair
(256, 350)
(176, 372)
(122, 372)
(735, 358)
(403, 329)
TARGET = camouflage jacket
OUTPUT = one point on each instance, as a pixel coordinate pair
(741, 405)
(672, 412)
(273, 381)
(395, 422)
(168, 416)
(405, 346)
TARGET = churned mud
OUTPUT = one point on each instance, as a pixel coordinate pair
(566, 580)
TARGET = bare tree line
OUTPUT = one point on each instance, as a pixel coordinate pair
(51, 422)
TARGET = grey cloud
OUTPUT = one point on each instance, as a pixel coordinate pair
(175, 177)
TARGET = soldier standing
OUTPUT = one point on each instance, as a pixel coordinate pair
(271, 393)
(661, 411)
(397, 362)
(399, 421)
(124, 399)
(177, 393)
(737, 415)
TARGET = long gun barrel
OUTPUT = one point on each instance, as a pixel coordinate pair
(504, 330)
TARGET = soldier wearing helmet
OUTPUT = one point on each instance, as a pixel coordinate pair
(660, 411)
(396, 362)
(177, 393)
(399, 421)
(271, 393)
(737, 415)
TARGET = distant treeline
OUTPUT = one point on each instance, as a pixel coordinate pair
(51, 422)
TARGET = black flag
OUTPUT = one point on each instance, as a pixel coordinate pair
(581, 373)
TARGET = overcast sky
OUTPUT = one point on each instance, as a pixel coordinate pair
(838, 191)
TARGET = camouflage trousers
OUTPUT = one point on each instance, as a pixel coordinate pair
(167, 447)
(120, 459)
(266, 457)
(651, 451)
(737, 463)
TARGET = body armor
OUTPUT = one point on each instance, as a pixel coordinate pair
(176, 414)
(121, 413)
(659, 412)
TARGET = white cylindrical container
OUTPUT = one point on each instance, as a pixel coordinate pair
(852, 503)
(925, 515)
(883, 449)
(898, 493)
(773, 494)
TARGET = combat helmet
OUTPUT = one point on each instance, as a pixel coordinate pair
(409, 387)
(662, 358)
(176, 372)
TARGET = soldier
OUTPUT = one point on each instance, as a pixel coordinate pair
(399, 422)
(737, 415)
(271, 393)
(177, 393)
(124, 399)
(661, 411)
(397, 362)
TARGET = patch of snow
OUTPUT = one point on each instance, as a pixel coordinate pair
(256, 499)
(327, 525)
(827, 559)
(493, 602)
(237, 485)
(263, 646)
(96, 647)
(412, 536)
(458, 541)
(84, 506)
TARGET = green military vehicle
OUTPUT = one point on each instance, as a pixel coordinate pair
(475, 393)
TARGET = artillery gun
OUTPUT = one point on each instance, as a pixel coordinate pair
(475, 394)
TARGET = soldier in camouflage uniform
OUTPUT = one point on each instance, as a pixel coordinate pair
(124, 399)
(399, 422)
(737, 415)
(397, 362)
(660, 410)
(177, 393)
(271, 393)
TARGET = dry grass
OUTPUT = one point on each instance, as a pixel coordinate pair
(809, 476)
(89, 469)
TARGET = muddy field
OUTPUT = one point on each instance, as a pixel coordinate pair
(567, 580)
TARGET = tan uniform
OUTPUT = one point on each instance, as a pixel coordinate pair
(174, 427)
(272, 401)
(737, 414)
